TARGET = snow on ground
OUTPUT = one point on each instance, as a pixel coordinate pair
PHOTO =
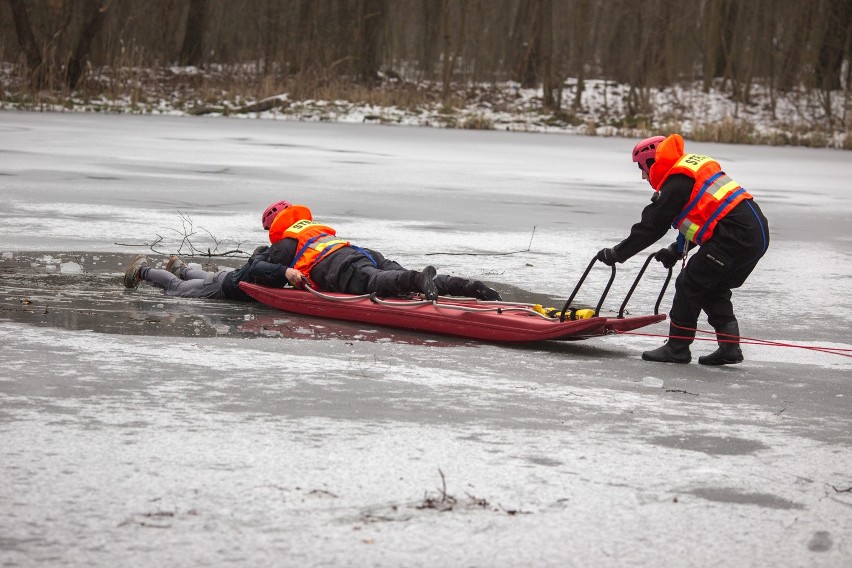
(797, 117)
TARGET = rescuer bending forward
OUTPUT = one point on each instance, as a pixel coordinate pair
(712, 211)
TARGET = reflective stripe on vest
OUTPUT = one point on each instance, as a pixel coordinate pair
(315, 241)
(322, 244)
(711, 202)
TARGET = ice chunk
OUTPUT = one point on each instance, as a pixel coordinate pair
(70, 268)
(652, 382)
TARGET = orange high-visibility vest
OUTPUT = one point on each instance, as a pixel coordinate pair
(315, 241)
(713, 195)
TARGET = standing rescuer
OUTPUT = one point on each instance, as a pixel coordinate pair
(712, 211)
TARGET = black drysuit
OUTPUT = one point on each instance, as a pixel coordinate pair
(355, 270)
(722, 263)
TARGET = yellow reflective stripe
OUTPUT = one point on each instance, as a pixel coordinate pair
(689, 229)
(723, 191)
(320, 246)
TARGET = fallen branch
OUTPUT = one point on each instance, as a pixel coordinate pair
(189, 246)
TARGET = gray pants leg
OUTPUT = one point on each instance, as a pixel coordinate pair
(201, 285)
(188, 273)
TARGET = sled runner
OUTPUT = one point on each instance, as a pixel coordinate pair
(509, 322)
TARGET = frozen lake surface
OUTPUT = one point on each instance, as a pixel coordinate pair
(137, 429)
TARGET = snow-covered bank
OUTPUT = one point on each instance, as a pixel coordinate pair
(605, 108)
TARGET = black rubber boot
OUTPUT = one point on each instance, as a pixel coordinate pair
(675, 350)
(729, 352)
(425, 283)
(477, 289)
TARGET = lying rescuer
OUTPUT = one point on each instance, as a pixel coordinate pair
(336, 266)
(712, 211)
(314, 253)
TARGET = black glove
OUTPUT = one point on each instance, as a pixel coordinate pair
(668, 256)
(607, 256)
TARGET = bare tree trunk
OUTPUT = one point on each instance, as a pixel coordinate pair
(96, 11)
(27, 41)
(193, 39)
(452, 53)
(447, 71)
(461, 36)
(303, 38)
(581, 18)
(531, 44)
(833, 44)
(545, 8)
(372, 15)
(431, 20)
(273, 26)
(720, 23)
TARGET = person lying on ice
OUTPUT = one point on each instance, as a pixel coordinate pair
(333, 264)
(363, 271)
(179, 279)
(712, 211)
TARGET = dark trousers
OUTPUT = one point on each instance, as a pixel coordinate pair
(710, 275)
(389, 278)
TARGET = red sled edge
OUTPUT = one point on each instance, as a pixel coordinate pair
(510, 325)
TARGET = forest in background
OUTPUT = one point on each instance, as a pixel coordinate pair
(406, 53)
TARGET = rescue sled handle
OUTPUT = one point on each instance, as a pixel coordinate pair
(565, 309)
(580, 283)
(636, 282)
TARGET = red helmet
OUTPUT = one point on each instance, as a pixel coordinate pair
(645, 152)
(271, 212)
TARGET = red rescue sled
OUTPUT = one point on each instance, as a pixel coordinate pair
(508, 322)
(462, 317)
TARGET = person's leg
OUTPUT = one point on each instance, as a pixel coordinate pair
(192, 273)
(720, 311)
(385, 263)
(364, 278)
(179, 268)
(209, 286)
(396, 282)
(683, 319)
(457, 286)
(705, 284)
(718, 307)
(720, 315)
(370, 279)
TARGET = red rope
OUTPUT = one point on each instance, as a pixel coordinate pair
(744, 340)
